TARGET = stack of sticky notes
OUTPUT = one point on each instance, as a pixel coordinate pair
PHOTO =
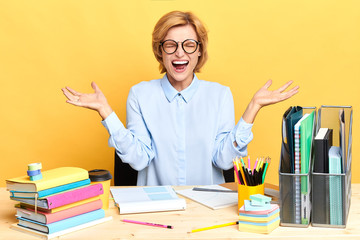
(258, 215)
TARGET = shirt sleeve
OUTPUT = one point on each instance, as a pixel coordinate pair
(133, 145)
(243, 135)
(225, 151)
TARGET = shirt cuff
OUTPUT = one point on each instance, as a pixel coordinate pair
(113, 124)
(243, 134)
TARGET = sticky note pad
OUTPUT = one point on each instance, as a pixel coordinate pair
(249, 207)
(259, 199)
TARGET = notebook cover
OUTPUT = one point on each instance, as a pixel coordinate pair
(29, 206)
(50, 191)
(47, 218)
(65, 198)
(320, 191)
(51, 178)
(63, 224)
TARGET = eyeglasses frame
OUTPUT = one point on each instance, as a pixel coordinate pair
(177, 45)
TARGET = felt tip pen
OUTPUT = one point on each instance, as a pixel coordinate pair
(148, 224)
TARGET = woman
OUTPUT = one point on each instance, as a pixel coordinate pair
(180, 130)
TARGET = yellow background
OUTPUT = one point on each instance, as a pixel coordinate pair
(47, 45)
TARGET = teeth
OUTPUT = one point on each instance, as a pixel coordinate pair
(180, 62)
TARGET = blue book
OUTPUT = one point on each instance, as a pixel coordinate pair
(50, 191)
(63, 224)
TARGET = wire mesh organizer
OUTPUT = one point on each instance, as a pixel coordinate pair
(295, 185)
(331, 197)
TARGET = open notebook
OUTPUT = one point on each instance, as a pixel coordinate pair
(213, 200)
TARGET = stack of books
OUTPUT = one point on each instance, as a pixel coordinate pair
(61, 202)
(258, 215)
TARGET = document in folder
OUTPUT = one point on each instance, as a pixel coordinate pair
(335, 186)
(306, 138)
(342, 140)
(291, 116)
(285, 151)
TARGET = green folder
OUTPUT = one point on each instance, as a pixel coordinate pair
(306, 137)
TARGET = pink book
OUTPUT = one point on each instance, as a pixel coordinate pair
(47, 218)
(61, 199)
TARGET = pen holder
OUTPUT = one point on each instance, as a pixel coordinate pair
(244, 192)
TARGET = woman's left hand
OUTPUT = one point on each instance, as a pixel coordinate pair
(264, 97)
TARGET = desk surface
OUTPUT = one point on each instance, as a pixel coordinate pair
(195, 216)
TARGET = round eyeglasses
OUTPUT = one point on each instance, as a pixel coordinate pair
(170, 46)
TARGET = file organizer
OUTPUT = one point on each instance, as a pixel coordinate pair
(331, 206)
(295, 207)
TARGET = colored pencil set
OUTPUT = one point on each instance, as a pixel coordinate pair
(251, 177)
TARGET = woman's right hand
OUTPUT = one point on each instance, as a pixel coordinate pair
(95, 101)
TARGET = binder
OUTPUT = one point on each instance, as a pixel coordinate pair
(62, 199)
(322, 143)
(294, 185)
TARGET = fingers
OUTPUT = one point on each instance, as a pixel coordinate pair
(285, 86)
(290, 93)
(268, 84)
(72, 91)
(71, 98)
(95, 87)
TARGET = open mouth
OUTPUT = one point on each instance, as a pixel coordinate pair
(180, 65)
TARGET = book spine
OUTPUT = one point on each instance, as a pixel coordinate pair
(71, 212)
(63, 188)
(74, 195)
(75, 221)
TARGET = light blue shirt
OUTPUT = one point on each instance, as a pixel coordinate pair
(179, 138)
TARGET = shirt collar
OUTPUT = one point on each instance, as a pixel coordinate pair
(171, 92)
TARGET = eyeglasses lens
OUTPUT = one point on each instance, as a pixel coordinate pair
(170, 46)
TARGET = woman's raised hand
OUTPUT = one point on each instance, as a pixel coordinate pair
(264, 97)
(95, 101)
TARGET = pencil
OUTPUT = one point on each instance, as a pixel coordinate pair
(147, 223)
(255, 165)
(236, 171)
(242, 162)
(243, 175)
(215, 226)
(263, 176)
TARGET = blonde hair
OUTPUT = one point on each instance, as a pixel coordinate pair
(178, 18)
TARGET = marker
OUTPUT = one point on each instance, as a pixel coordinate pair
(215, 226)
(148, 224)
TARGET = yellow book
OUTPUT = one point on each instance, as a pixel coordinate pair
(51, 178)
